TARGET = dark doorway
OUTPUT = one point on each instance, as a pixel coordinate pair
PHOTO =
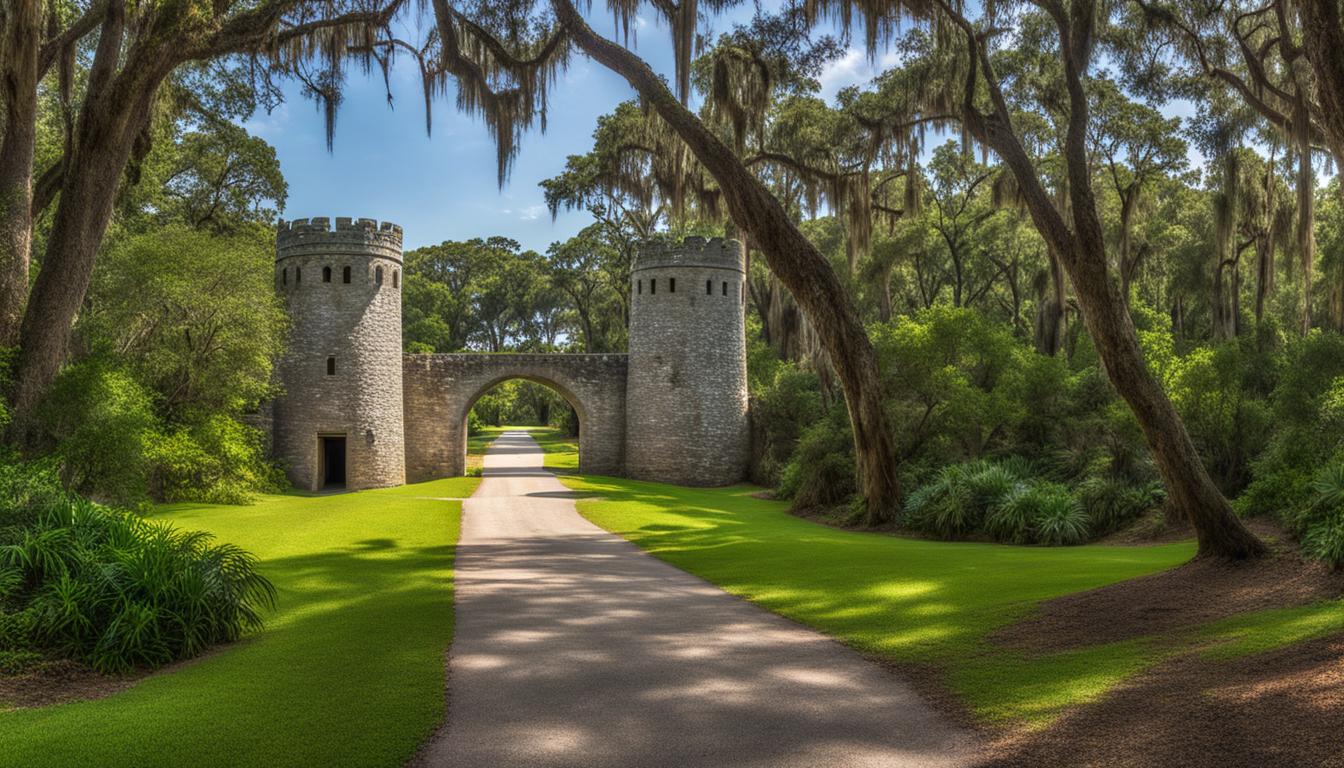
(333, 461)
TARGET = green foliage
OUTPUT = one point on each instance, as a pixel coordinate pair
(784, 399)
(1058, 518)
(193, 316)
(821, 472)
(958, 386)
(216, 460)
(961, 498)
(112, 589)
(111, 444)
(521, 402)
(1112, 503)
(103, 423)
(1215, 391)
(1321, 523)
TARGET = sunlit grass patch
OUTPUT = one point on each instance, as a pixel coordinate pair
(908, 600)
(349, 670)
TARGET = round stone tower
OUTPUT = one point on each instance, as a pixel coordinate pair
(686, 390)
(339, 420)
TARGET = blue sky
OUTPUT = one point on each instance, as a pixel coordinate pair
(443, 187)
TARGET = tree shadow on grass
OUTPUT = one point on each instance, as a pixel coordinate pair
(348, 671)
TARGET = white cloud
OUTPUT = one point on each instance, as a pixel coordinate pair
(532, 212)
(854, 68)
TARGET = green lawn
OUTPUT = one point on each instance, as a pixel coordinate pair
(349, 670)
(561, 451)
(921, 603)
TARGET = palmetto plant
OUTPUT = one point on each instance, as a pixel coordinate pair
(118, 591)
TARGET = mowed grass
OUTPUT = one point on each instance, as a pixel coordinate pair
(348, 671)
(916, 602)
(924, 604)
(561, 451)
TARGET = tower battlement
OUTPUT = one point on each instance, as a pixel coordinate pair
(693, 251)
(349, 236)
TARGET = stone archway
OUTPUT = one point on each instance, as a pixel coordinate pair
(439, 390)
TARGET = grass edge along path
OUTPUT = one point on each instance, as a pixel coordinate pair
(348, 671)
(925, 605)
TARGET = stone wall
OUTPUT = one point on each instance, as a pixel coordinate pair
(673, 410)
(358, 326)
(439, 391)
(686, 416)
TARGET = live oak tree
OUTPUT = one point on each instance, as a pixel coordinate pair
(132, 51)
(1075, 233)
(1276, 57)
(503, 58)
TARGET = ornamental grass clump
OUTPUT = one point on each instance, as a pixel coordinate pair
(1321, 525)
(113, 590)
(959, 500)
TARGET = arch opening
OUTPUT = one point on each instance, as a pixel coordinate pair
(554, 414)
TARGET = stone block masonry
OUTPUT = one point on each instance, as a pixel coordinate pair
(674, 409)
(686, 416)
(341, 373)
(441, 389)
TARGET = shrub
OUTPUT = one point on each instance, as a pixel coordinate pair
(1010, 521)
(16, 662)
(103, 424)
(1321, 523)
(959, 500)
(1060, 519)
(821, 471)
(116, 591)
(782, 408)
(1111, 503)
(1041, 512)
(218, 461)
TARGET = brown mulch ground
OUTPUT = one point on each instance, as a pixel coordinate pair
(1280, 709)
(1196, 593)
(59, 682)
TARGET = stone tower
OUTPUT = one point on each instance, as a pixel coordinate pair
(339, 421)
(686, 389)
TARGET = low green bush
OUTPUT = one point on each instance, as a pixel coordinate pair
(1010, 522)
(216, 461)
(111, 589)
(1112, 503)
(1321, 523)
(821, 472)
(1058, 519)
(103, 425)
(960, 498)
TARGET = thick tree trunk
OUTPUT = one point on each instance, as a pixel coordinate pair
(1050, 326)
(116, 110)
(1306, 217)
(18, 94)
(791, 256)
(1082, 250)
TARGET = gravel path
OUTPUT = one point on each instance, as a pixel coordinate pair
(574, 648)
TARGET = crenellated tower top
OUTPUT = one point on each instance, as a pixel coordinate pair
(714, 252)
(350, 236)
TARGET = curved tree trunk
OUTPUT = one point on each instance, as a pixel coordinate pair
(116, 110)
(799, 265)
(1082, 250)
